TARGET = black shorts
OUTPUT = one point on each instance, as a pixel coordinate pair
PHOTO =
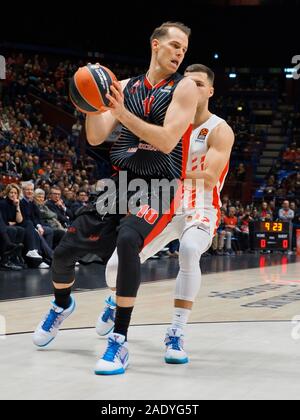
(97, 234)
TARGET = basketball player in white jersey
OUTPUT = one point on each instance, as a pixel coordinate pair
(211, 143)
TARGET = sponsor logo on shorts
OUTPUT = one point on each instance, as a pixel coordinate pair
(94, 238)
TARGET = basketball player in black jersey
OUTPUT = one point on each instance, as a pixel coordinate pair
(155, 111)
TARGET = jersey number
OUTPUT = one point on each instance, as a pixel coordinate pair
(148, 102)
(150, 215)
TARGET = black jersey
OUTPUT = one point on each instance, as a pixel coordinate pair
(131, 153)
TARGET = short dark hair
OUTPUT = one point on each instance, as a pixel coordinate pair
(82, 192)
(201, 68)
(163, 30)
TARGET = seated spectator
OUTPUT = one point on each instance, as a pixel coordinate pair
(18, 229)
(56, 204)
(82, 201)
(255, 215)
(265, 213)
(285, 213)
(48, 217)
(28, 173)
(31, 213)
(8, 249)
(245, 232)
(218, 240)
(231, 227)
(68, 197)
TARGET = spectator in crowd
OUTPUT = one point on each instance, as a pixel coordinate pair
(285, 213)
(270, 189)
(231, 227)
(31, 213)
(240, 174)
(255, 215)
(218, 241)
(18, 229)
(82, 201)
(28, 173)
(265, 214)
(244, 221)
(48, 217)
(56, 204)
(76, 131)
(69, 197)
(8, 249)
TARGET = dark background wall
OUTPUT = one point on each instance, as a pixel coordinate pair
(257, 36)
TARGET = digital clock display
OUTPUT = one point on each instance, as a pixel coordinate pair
(270, 235)
(272, 226)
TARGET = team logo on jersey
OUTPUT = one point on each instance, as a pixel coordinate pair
(135, 87)
(203, 134)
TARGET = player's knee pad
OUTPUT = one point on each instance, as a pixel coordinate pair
(129, 240)
(63, 264)
(193, 244)
(129, 244)
(189, 254)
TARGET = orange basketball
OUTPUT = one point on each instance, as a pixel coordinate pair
(89, 86)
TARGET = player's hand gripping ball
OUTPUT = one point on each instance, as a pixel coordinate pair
(89, 86)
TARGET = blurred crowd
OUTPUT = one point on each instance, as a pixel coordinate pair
(45, 180)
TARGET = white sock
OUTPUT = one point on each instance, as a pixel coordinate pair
(180, 317)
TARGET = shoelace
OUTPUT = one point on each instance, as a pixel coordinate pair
(108, 314)
(174, 342)
(111, 351)
(50, 320)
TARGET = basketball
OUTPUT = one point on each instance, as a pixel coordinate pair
(89, 86)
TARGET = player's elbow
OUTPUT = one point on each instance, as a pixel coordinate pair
(168, 145)
(167, 149)
(93, 140)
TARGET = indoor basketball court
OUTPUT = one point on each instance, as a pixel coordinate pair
(241, 341)
(166, 136)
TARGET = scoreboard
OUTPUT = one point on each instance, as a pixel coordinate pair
(271, 235)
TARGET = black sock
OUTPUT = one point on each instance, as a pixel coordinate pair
(123, 316)
(63, 297)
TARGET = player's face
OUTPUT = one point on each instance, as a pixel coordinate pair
(205, 89)
(171, 50)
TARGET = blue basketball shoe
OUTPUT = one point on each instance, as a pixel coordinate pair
(106, 320)
(174, 347)
(48, 328)
(116, 357)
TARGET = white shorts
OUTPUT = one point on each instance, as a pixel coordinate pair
(206, 221)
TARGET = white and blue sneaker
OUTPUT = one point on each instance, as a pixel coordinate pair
(174, 344)
(106, 321)
(116, 357)
(48, 328)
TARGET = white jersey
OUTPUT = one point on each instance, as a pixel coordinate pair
(205, 216)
